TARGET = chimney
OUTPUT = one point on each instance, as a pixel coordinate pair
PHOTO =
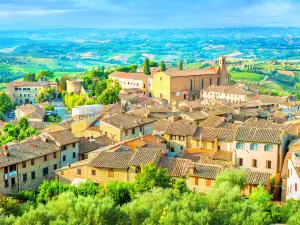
(5, 151)
(33, 145)
(194, 169)
(69, 165)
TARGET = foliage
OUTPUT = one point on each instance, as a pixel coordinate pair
(45, 94)
(297, 86)
(146, 67)
(49, 107)
(153, 63)
(9, 206)
(232, 177)
(29, 77)
(53, 119)
(162, 66)
(180, 65)
(73, 100)
(6, 104)
(180, 185)
(110, 94)
(151, 176)
(127, 69)
(62, 84)
(44, 75)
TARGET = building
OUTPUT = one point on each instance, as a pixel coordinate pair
(74, 86)
(293, 177)
(134, 82)
(121, 127)
(232, 94)
(181, 85)
(87, 110)
(33, 113)
(24, 92)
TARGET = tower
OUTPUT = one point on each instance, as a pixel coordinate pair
(225, 76)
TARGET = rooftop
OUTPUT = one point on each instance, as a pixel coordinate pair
(176, 167)
(191, 72)
(62, 137)
(115, 160)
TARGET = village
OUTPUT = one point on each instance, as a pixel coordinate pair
(192, 122)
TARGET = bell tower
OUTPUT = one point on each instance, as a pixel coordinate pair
(225, 76)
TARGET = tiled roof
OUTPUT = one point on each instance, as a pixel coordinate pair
(117, 160)
(63, 137)
(176, 167)
(262, 135)
(213, 121)
(269, 99)
(228, 90)
(132, 76)
(112, 108)
(124, 121)
(223, 155)
(205, 171)
(161, 125)
(103, 141)
(195, 154)
(32, 111)
(145, 155)
(219, 111)
(198, 115)
(28, 149)
(181, 127)
(206, 133)
(226, 134)
(192, 72)
(27, 83)
(86, 146)
(254, 177)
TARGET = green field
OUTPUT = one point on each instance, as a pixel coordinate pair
(246, 76)
(282, 88)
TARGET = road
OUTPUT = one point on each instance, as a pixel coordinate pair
(61, 109)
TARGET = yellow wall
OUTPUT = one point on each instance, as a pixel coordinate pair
(201, 187)
(161, 86)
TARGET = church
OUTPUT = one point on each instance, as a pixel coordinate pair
(179, 85)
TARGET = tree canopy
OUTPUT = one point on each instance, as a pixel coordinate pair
(29, 77)
(44, 75)
(6, 104)
(45, 94)
(180, 65)
(162, 66)
(62, 83)
(146, 67)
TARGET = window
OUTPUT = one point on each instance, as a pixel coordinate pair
(6, 169)
(6, 184)
(24, 164)
(54, 155)
(20, 95)
(254, 146)
(24, 177)
(268, 164)
(126, 132)
(32, 162)
(110, 172)
(240, 145)
(12, 167)
(254, 163)
(93, 172)
(64, 147)
(55, 167)
(78, 171)
(240, 161)
(210, 81)
(218, 81)
(64, 158)
(181, 138)
(45, 158)
(268, 147)
(173, 137)
(191, 85)
(172, 149)
(32, 175)
(202, 85)
(196, 181)
(181, 147)
(45, 171)
(208, 182)
(74, 155)
(74, 145)
(141, 128)
(133, 131)
(296, 187)
(13, 181)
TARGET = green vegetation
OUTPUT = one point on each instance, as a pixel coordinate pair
(162, 66)
(123, 203)
(44, 75)
(19, 132)
(62, 83)
(146, 67)
(180, 65)
(29, 77)
(246, 76)
(45, 94)
(6, 104)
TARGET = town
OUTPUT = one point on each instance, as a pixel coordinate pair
(192, 123)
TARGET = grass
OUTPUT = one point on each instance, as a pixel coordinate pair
(282, 88)
(246, 76)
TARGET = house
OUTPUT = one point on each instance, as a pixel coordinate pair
(293, 177)
(197, 117)
(68, 144)
(87, 110)
(253, 179)
(182, 85)
(33, 113)
(25, 165)
(232, 94)
(39, 126)
(24, 92)
(122, 127)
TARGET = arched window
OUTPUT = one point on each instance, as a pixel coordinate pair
(254, 146)
(240, 145)
(218, 81)
(202, 84)
(191, 85)
(210, 81)
(268, 147)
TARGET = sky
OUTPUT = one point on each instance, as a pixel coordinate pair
(24, 14)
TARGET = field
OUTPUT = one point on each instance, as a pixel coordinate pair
(246, 76)
(277, 86)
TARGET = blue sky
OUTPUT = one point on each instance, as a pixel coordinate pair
(148, 13)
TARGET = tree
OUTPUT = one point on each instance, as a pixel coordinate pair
(232, 177)
(118, 191)
(180, 65)
(44, 75)
(151, 176)
(111, 94)
(5, 103)
(162, 66)
(29, 77)
(297, 86)
(180, 185)
(153, 63)
(45, 94)
(146, 67)
(62, 85)
(9, 206)
(23, 123)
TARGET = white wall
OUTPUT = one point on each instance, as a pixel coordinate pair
(292, 179)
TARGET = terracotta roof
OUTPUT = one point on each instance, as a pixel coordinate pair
(192, 72)
(27, 83)
(161, 125)
(254, 177)
(198, 115)
(28, 149)
(205, 171)
(145, 155)
(213, 121)
(227, 90)
(223, 155)
(132, 76)
(112, 108)
(103, 141)
(262, 135)
(269, 99)
(195, 154)
(206, 133)
(226, 134)
(32, 111)
(124, 121)
(176, 167)
(181, 128)
(86, 146)
(116, 160)
(254, 122)
(62, 137)
(219, 111)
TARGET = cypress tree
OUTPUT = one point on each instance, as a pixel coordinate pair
(162, 66)
(146, 67)
(180, 65)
